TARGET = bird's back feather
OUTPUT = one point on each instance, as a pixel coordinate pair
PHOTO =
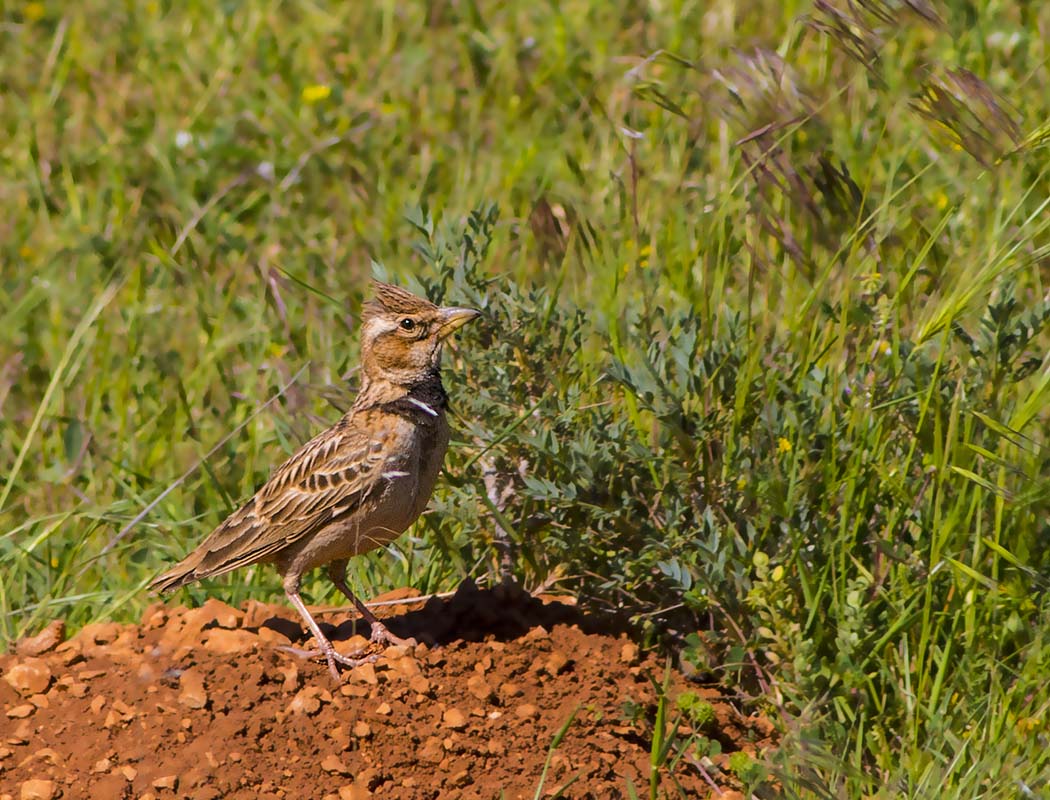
(332, 477)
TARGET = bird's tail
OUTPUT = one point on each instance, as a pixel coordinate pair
(181, 574)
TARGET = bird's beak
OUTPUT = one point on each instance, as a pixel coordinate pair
(453, 318)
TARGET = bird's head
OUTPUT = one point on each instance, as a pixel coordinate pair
(401, 334)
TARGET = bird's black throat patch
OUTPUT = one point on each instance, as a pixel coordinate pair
(421, 399)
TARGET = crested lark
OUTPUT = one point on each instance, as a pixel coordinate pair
(357, 485)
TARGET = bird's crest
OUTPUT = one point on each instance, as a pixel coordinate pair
(390, 299)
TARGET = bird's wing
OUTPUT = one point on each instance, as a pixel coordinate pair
(332, 476)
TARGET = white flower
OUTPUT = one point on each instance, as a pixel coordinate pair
(183, 139)
(265, 170)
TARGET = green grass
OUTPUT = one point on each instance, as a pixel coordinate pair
(805, 401)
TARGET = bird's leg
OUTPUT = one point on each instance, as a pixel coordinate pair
(380, 634)
(291, 589)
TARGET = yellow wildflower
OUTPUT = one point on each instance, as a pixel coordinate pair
(1028, 725)
(316, 92)
(33, 12)
(783, 445)
(871, 282)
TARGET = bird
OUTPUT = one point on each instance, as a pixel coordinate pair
(357, 485)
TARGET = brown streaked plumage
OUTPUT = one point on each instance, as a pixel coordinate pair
(357, 485)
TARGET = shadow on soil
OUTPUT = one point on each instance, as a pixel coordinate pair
(472, 614)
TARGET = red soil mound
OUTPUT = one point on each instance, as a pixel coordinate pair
(202, 704)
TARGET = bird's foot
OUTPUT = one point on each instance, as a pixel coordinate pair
(380, 635)
(333, 657)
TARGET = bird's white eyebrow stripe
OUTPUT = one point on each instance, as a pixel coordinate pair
(422, 405)
(395, 473)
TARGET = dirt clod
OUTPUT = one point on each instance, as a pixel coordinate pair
(455, 719)
(170, 782)
(480, 688)
(629, 653)
(334, 765)
(364, 673)
(419, 685)
(354, 792)
(48, 639)
(308, 701)
(30, 676)
(37, 789)
(352, 647)
(21, 711)
(526, 711)
(362, 730)
(226, 642)
(99, 633)
(192, 693)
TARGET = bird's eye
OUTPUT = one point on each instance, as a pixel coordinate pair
(408, 324)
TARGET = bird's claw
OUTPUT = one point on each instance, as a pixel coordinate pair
(332, 656)
(380, 635)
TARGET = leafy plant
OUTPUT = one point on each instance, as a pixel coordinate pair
(749, 771)
(700, 713)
